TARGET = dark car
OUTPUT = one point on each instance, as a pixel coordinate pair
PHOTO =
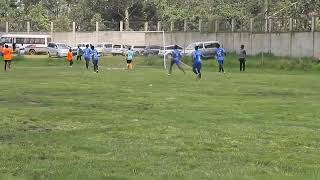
(152, 50)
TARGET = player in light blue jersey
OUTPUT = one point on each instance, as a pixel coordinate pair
(176, 59)
(220, 56)
(130, 55)
(87, 55)
(95, 59)
(197, 62)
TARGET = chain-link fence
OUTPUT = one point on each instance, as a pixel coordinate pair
(109, 26)
(280, 24)
(208, 26)
(18, 27)
(166, 26)
(136, 26)
(317, 24)
(258, 25)
(254, 25)
(2, 26)
(302, 25)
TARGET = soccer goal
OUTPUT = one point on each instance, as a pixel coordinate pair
(148, 46)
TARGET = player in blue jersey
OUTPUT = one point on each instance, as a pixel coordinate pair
(95, 59)
(220, 56)
(87, 55)
(197, 62)
(176, 59)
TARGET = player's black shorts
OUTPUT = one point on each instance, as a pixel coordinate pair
(129, 61)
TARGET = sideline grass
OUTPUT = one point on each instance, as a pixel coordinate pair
(69, 122)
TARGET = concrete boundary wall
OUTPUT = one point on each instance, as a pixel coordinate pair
(293, 44)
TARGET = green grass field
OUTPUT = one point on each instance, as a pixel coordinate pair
(61, 122)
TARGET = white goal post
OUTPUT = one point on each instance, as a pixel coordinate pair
(137, 39)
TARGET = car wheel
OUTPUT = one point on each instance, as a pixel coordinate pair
(32, 52)
(169, 56)
(113, 54)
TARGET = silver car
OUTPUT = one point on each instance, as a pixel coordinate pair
(58, 50)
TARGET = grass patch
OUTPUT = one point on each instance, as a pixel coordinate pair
(60, 122)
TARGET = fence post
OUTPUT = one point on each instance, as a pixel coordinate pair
(97, 32)
(232, 25)
(266, 25)
(28, 27)
(216, 26)
(313, 24)
(159, 26)
(270, 25)
(171, 26)
(146, 26)
(251, 24)
(7, 27)
(200, 25)
(74, 33)
(97, 26)
(51, 29)
(121, 26)
(185, 25)
(290, 24)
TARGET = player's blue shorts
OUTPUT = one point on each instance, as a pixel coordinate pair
(87, 58)
(197, 68)
(221, 62)
(95, 61)
(176, 62)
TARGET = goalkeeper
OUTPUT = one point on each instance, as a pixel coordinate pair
(176, 59)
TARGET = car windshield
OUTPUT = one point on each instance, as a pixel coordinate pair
(100, 45)
(62, 46)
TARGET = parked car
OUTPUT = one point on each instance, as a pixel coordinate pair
(58, 49)
(119, 49)
(138, 50)
(207, 48)
(152, 50)
(105, 48)
(167, 51)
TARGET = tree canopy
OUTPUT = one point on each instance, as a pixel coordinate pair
(85, 13)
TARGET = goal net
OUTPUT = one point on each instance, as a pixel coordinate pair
(149, 46)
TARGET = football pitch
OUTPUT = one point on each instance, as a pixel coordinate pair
(64, 122)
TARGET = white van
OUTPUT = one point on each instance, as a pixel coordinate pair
(33, 43)
(58, 49)
(119, 49)
(207, 48)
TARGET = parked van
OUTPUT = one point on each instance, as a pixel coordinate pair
(208, 48)
(58, 50)
(119, 49)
